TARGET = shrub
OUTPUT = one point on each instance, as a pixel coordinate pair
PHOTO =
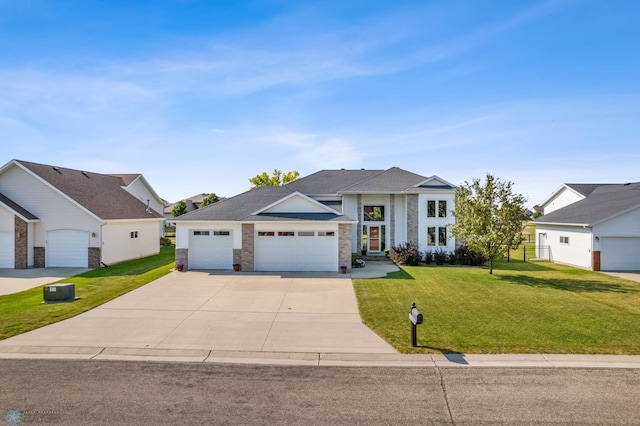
(451, 257)
(466, 256)
(440, 256)
(428, 257)
(164, 241)
(357, 261)
(406, 254)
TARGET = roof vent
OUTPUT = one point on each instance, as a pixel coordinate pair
(57, 169)
(86, 175)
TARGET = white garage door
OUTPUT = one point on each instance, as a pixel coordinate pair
(6, 250)
(210, 250)
(620, 254)
(67, 248)
(296, 251)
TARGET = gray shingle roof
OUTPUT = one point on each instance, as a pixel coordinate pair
(330, 182)
(17, 208)
(585, 188)
(102, 195)
(388, 181)
(603, 202)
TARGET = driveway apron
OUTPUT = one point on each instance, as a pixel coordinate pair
(222, 311)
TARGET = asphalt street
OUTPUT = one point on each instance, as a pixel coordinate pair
(116, 392)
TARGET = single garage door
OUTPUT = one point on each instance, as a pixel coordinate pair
(296, 251)
(6, 250)
(210, 250)
(67, 248)
(620, 254)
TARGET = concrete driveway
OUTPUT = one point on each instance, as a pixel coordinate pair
(16, 280)
(200, 310)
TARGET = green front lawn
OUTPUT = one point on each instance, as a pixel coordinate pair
(25, 311)
(532, 307)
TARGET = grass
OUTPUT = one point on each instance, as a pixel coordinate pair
(532, 307)
(25, 311)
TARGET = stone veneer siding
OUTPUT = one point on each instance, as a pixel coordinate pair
(182, 256)
(94, 257)
(392, 221)
(38, 257)
(412, 218)
(21, 248)
(248, 248)
(344, 246)
(359, 245)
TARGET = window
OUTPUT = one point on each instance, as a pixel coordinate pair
(442, 236)
(564, 240)
(306, 234)
(198, 233)
(374, 213)
(442, 209)
(326, 234)
(286, 234)
(431, 236)
(431, 208)
(436, 236)
(134, 234)
(266, 234)
(221, 233)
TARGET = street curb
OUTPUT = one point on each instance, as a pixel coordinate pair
(323, 359)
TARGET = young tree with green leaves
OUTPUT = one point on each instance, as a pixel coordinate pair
(179, 208)
(277, 178)
(209, 199)
(489, 217)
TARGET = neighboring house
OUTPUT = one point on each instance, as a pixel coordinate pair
(193, 203)
(593, 226)
(53, 216)
(316, 222)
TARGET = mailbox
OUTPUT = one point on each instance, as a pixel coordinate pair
(415, 316)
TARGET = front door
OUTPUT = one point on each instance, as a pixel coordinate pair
(374, 238)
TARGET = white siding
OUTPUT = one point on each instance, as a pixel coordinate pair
(400, 220)
(625, 225)
(118, 245)
(577, 252)
(53, 210)
(562, 199)
(438, 222)
(139, 190)
(297, 204)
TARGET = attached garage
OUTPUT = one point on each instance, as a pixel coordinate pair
(67, 248)
(7, 259)
(209, 249)
(296, 251)
(620, 254)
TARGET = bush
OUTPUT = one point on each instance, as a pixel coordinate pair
(466, 256)
(164, 241)
(440, 256)
(357, 261)
(451, 257)
(428, 257)
(406, 254)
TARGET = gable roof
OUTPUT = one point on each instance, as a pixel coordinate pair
(17, 209)
(253, 205)
(603, 202)
(102, 195)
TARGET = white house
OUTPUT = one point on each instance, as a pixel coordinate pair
(593, 226)
(316, 222)
(54, 216)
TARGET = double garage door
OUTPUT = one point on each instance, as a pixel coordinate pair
(620, 254)
(296, 251)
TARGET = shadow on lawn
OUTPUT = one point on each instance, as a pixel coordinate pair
(577, 286)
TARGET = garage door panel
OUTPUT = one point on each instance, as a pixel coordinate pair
(7, 248)
(620, 254)
(210, 251)
(296, 253)
(67, 248)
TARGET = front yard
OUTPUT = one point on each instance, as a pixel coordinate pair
(532, 307)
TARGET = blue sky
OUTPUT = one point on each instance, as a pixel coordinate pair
(199, 96)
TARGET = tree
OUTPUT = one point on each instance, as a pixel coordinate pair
(179, 208)
(489, 217)
(209, 199)
(277, 178)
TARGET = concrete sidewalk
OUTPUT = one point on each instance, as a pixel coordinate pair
(17, 280)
